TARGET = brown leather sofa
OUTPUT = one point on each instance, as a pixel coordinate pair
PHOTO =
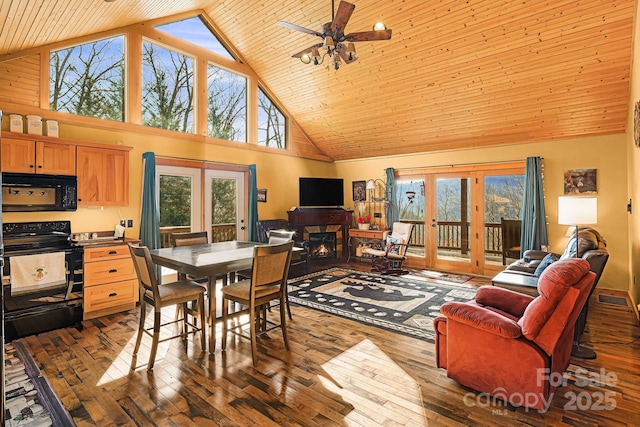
(513, 346)
(592, 247)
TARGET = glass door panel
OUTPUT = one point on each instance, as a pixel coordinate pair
(224, 205)
(179, 199)
(411, 208)
(503, 200)
(452, 220)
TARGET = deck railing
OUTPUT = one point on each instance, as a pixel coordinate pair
(219, 233)
(451, 237)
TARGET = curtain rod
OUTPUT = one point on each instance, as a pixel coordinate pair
(463, 164)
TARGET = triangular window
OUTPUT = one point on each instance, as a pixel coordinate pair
(195, 31)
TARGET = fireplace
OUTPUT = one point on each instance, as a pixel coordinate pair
(322, 245)
(310, 221)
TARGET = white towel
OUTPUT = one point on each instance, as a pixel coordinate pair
(36, 272)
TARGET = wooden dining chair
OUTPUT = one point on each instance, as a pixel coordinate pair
(177, 293)
(268, 283)
(275, 237)
(191, 238)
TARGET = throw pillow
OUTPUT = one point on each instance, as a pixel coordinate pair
(546, 262)
(393, 245)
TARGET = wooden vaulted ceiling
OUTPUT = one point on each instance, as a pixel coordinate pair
(455, 74)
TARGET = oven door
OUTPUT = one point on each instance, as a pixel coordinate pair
(32, 311)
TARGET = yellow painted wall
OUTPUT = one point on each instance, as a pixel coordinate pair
(277, 173)
(633, 156)
(607, 154)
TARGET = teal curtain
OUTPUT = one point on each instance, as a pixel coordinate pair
(534, 219)
(150, 216)
(253, 205)
(392, 198)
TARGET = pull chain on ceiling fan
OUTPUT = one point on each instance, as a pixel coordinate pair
(334, 39)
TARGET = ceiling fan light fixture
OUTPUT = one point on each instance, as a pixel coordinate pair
(305, 58)
(379, 26)
(328, 42)
(336, 62)
(351, 51)
(337, 44)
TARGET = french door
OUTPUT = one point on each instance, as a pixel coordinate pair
(458, 216)
(194, 199)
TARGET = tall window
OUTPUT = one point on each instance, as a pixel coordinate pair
(167, 89)
(88, 79)
(227, 105)
(271, 123)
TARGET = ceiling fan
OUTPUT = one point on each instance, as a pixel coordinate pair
(334, 38)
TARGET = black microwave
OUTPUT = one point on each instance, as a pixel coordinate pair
(23, 192)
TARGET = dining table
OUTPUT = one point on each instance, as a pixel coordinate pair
(208, 260)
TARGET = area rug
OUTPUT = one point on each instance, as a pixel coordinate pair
(395, 303)
(439, 275)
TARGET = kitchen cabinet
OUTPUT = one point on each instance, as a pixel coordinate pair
(34, 156)
(110, 280)
(103, 177)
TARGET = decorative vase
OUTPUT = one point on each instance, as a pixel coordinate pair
(363, 226)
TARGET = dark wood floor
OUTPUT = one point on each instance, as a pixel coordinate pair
(338, 373)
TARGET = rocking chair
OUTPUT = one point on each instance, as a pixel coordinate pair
(390, 259)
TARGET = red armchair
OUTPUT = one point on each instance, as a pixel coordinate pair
(510, 345)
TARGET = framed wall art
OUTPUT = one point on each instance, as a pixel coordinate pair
(359, 191)
(262, 195)
(580, 181)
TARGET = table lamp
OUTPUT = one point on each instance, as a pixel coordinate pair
(576, 211)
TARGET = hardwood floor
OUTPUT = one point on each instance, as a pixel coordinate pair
(338, 373)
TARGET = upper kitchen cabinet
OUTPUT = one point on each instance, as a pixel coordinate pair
(103, 177)
(33, 156)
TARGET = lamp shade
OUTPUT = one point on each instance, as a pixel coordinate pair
(577, 210)
(371, 185)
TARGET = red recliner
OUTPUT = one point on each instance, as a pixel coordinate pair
(513, 346)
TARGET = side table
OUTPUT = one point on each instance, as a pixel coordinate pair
(365, 238)
(517, 282)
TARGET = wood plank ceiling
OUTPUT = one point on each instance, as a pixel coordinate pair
(454, 75)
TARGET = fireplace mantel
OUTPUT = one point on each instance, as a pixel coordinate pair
(302, 219)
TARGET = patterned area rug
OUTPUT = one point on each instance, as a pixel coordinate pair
(398, 304)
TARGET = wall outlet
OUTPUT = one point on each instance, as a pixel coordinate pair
(122, 223)
(129, 223)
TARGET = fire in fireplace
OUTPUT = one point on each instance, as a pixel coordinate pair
(322, 245)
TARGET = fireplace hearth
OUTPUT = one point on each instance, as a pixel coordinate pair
(322, 245)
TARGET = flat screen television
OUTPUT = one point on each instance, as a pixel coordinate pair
(321, 192)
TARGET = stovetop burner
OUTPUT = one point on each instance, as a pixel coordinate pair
(36, 236)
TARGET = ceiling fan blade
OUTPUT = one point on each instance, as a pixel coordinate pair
(299, 28)
(368, 36)
(342, 16)
(307, 50)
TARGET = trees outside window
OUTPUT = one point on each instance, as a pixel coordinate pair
(167, 89)
(227, 105)
(175, 201)
(88, 79)
(271, 123)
